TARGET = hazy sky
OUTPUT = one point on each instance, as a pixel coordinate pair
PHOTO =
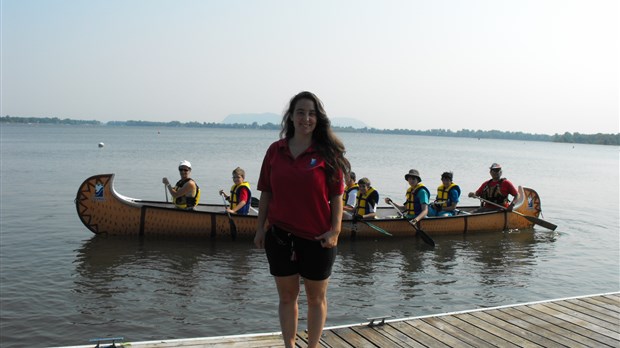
(541, 66)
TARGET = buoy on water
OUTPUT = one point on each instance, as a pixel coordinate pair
(101, 144)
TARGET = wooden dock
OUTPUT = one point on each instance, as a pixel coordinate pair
(587, 321)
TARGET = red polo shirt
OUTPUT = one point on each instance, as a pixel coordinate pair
(300, 192)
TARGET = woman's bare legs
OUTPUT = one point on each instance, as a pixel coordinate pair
(288, 292)
(316, 292)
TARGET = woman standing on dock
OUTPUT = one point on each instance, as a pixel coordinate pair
(301, 184)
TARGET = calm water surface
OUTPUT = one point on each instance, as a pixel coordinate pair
(61, 285)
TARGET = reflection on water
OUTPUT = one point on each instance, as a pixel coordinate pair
(120, 280)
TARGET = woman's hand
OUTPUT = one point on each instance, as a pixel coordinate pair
(259, 238)
(328, 239)
(165, 181)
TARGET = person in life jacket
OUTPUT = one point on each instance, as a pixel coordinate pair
(448, 194)
(496, 190)
(349, 197)
(185, 193)
(367, 200)
(240, 193)
(417, 197)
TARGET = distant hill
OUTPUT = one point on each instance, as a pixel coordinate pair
(268, 117)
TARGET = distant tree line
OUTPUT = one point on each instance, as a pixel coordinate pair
(46, 120)
(577, 138)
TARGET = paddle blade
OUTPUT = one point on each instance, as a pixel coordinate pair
(376, 228)
(425, 237)
(233, 228)
(541, 222)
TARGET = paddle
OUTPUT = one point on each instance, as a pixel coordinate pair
(373, 226)
(233, 227)
(533, 219)
(166, 191)
(425, 237)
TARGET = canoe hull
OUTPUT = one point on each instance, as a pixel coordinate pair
(104, 211)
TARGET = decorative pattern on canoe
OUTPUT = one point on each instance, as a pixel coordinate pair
(103, 211)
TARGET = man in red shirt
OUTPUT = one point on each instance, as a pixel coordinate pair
(496, 190)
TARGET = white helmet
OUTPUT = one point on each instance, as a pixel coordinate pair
(185, 163)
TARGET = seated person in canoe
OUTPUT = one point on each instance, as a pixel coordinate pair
(417, 198)
(496, 190)
(185, 193)
(349, 196)
(448, 194)
(367, 200)
(240, 193)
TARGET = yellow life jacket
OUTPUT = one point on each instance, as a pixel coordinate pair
(234, 197)
(347, 192)
(186, 202)
(443, 194)
(363, 207)
(412, 204)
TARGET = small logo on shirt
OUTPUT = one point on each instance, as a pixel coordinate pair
(312, 162)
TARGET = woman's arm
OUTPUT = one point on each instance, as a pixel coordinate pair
(263, 208)
(329, 239)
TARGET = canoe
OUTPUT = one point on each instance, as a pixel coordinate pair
(104, 211)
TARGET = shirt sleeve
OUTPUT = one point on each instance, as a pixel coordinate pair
(337, 187)
(243, 195)
(424, 196)
(510, 188)
(454, 196)
(352, 198)
(264, 180)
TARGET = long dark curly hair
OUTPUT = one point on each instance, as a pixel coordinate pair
(329, 146)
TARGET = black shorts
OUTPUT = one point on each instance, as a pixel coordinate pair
(289, 255)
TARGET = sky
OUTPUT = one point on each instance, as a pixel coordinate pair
(541, 66)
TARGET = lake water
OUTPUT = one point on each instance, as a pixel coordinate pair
(61, 285)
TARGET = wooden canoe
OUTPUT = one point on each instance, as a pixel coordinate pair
(104, 211)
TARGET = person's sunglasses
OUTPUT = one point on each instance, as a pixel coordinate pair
(183, 170)
(496, 170)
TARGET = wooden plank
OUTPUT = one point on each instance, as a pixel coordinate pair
(378, 336)
(546, 328)
(497, 331)
(544, 336)
(593, 307)
(578, 326)
(556, 325)
(615, 298)
(437, 334)
(478, 332)
(417, 335)
(463, 336)
(396, 335)
(599, 301)
(614, 304)
(302, 339)
(586, 317)
(332, 340)
(232, 342)
(353, 338)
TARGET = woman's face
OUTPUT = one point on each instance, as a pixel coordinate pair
(304, 117)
